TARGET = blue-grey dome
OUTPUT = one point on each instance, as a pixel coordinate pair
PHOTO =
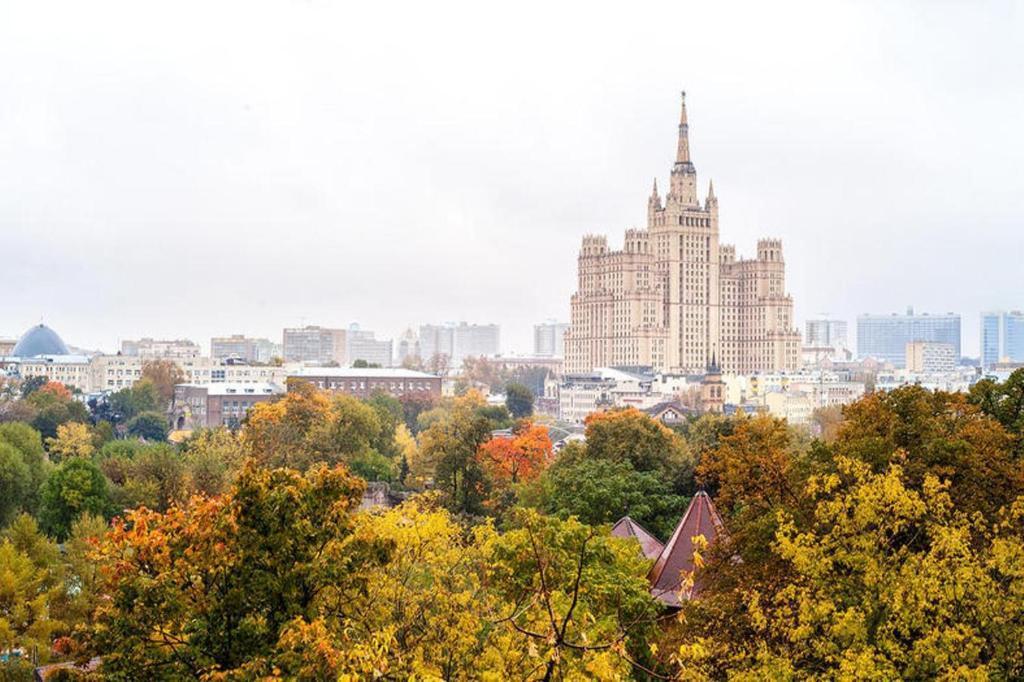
(39, 340)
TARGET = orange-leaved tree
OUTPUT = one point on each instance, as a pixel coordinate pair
(518, 458)
(210, 589)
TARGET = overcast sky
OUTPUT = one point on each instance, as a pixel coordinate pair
(205, 168)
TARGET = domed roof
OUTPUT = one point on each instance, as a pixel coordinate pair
(39, 340)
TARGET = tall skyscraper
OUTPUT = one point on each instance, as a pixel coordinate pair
(549, 339)
(885, 337)
(674, 298)
(1002, 337)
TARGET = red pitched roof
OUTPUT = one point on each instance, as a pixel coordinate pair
(628, 528)
(676, 559)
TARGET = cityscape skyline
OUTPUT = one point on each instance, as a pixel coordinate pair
(255, 199)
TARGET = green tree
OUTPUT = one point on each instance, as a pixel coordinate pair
(1003, 402)
(648, 445)
(447, 453)
(598, 491)
(55, 406)
(519, 400)
(15, 483)
(141, 397)
(75, 487)
(151, 426)
(28, 449)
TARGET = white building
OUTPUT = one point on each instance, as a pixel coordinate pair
(549, 339)
(160, 348)
(929, 357)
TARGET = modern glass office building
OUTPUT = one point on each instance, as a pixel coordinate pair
(1002, 337)
(885, 337)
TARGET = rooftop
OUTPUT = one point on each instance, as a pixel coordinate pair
(676, 561)
(239, 388)
(361, 373)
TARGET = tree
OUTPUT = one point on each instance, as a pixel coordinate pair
(54, 406)
(164, 375)
(151, 426)
(599, 491)
(1004, 402)
(15, 483)
(889, 581)
(519, 400)
(306, 426)
(266, 555)
(156, 478)
(935, 433)
(73, 439)
(422, 614)
(29, 591)
(32, 384)
(520, 458)
(75, 487)
(576, 601)
(122, 405)
(447, 453)
(28, 450)
(213, 458)
(648, 444)
(413, 405)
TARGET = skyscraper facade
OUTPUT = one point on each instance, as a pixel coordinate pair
(885, 337)
(1002, 337)
(674, 298)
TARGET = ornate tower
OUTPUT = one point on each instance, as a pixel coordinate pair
(684, 176)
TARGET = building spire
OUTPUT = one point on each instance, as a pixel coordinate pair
(683, 149)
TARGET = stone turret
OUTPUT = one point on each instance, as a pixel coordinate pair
(769, 250)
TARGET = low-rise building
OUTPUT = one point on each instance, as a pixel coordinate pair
(71, 370)
(364, 382)
(198, 406)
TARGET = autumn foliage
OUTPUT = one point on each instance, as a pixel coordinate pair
(519, 458)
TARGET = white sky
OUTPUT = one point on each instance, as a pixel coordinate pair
(204, 168)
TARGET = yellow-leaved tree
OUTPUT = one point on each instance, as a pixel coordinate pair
(887, 582)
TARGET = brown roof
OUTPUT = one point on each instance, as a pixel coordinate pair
(628, 528)
(676, 560)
